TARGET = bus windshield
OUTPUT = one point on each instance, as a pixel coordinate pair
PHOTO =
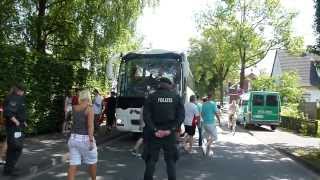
(139, 77)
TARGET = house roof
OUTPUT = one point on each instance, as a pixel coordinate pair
(302, 65)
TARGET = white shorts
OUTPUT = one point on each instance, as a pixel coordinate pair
(210, 130)
(79, 150)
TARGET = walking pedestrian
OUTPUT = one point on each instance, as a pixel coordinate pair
(97, 109)
(192, 117)
(75, 97)
(3, 141)
(135, 149)
(163, 114)
(15, 116)
(199, 124)
(209, 111)
(81, 144)
(67, 111)
(233, 111)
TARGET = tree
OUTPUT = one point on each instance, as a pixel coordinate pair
(259, 26)
(264, 82)
(212, 58)
(45, 43)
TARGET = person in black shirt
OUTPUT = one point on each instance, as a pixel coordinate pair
(163, 113)
(15, 115)
(111, 110)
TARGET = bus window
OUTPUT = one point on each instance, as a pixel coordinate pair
(272, 100)
(257, 100)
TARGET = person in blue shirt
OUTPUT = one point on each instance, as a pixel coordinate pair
(209, 112)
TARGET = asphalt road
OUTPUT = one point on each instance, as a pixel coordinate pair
(235, 157)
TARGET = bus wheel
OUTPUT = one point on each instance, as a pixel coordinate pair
(273, 127)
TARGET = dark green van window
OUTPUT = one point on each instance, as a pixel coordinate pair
(257, 100)
(272, 100)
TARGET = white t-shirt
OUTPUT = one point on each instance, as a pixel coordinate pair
(97, 104)
(68, 104)
(191, 110)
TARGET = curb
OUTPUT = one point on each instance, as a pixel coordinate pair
(297, 159)
(300, 160)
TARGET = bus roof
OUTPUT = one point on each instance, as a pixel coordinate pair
(160, 53)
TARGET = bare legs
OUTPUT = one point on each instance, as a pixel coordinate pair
(189, 142)
(92, 169)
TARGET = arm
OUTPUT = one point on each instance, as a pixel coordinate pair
(90, 123)
(10, 110)
(180, 114)
(147, 115)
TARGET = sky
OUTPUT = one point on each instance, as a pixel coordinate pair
(171, 24)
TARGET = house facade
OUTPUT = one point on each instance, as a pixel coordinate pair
(306, 69)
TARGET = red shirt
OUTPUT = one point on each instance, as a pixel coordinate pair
(75, 100)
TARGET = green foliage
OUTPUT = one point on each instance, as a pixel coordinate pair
(212, 58)
(252, 22)
(287, 85)
(53, 46)
(264, 82)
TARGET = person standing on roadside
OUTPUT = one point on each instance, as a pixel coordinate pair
(82, 145)
(209, 111)
(163, 112)
(192, 117)
(111, 111)
(97, 108)
(75, 97)
(16, 116)
(67, 111)
(199, 124)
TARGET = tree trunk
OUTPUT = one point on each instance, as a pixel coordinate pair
(41, 36)
(221, 91)
(242, 73)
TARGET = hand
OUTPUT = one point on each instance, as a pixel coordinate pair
(25, 124)
(91, 145)
(17, 123)
(162, 133)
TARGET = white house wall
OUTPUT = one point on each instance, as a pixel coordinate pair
(276, 71)
(313, 94)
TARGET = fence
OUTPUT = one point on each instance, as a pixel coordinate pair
(306, 127)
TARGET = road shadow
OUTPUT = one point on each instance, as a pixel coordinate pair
(231, 161)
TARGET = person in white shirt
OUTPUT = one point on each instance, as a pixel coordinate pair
(233, 111)
(97, 108)
(192, 116)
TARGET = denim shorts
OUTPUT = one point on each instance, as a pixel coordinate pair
(79, 150)
(210, 130)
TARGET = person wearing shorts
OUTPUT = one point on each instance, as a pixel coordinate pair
(192, 115)
(81, 144)
(209, 112)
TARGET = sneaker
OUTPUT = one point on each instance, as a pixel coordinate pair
(2, 162)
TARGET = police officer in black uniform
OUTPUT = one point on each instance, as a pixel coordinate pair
(163, 113)
(15, 115)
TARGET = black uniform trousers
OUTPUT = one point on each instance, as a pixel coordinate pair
(14, 148)
(152, 147)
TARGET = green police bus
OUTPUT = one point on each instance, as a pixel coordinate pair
(260, 108)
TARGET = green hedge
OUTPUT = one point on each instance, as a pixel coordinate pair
(306, 127)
